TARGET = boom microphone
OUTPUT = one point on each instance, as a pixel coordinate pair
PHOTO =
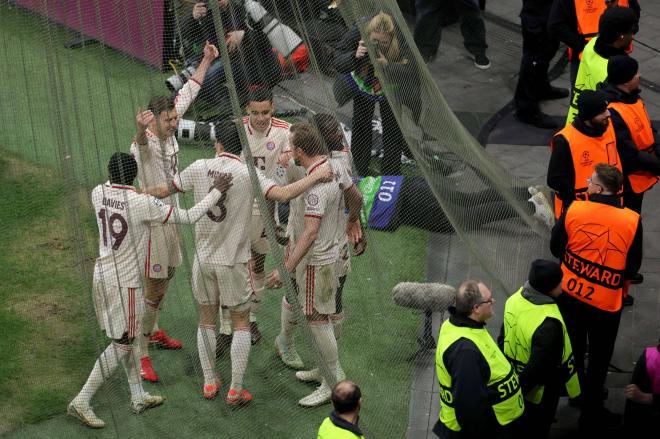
(424, 296)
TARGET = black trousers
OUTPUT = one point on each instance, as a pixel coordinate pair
(632, 200)
(533, 83)
(361, 139)
(538, 418)
(592, 331)
(431, 13)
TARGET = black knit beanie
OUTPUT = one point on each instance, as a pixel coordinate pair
(590, 104)
(621, 69)
(544, 276)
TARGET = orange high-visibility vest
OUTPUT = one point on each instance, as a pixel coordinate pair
(588, 14)
(639, 125)
(599, 237)
(587, 152)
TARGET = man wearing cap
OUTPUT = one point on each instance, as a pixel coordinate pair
(635, 140)
(535, 341)
(599, 245)
(578, 147)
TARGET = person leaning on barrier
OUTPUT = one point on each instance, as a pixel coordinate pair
(480, 394)
(343, 421)
(599, 245)
(588, 140)
(535, 341)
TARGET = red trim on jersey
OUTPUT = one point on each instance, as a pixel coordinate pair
(195, 81)
(132, 324)
(268, 190)
(309, 291)
(176, 187)
(229, 155)
(168, 214)
(279, 123)
(315, 166)
(147, 263)
(311, 215)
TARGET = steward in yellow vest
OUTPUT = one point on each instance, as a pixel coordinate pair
(479, 391)
(535, 341)
(616, 31)
(599, 245)
(577, 148)
(635, 139)
(343, 422)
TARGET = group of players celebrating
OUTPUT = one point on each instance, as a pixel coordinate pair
(139, 243)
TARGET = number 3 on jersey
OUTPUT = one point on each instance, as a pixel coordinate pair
(109, 224)
(221, 205)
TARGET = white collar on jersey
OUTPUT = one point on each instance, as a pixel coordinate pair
(314, 166)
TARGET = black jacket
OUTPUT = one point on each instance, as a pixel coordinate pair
(631, 158)
(559, 237)
(470, 373)
(561, 170)
(546, 351)
(562, 23)
(534, 15)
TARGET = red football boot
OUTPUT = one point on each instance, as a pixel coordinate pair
(164, 341)
(147, 371)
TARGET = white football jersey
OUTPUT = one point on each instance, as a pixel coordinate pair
(342, 167)
(123, 218)
(266, 147)
(221, 236)
(296, 221)
(158, 160)
(323, 201)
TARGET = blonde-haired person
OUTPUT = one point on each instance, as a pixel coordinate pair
(359, 81)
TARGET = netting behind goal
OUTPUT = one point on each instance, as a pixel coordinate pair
(435, 205)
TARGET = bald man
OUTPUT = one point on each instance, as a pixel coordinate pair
(343, 421)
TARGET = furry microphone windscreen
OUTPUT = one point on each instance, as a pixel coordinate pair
(425, 296)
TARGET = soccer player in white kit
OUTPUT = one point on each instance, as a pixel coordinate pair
(351, 204)
(312, 260)
(222, 250)
(122, 217)
(268, 137)
(156, 150)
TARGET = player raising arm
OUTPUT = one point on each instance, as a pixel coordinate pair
(156, 150)
(220, 270)
(122, 217)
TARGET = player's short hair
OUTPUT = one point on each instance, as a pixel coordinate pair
(615, 22)
(328, 127)
(158, 104)
(122, 168)
(609, 176)
(345, 396)
(307, 138)
(467, 296)
(260, 94)
(226, 133)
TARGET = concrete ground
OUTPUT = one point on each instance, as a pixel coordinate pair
(476, 96)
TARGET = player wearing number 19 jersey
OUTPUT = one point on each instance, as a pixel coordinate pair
(123, 216)
(220, 272)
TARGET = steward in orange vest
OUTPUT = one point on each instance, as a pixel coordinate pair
(575, 22)
(578, 147)
(635, 139)
(599, 245)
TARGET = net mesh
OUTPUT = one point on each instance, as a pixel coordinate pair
(435, 205)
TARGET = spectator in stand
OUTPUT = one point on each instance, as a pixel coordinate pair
(250, 52)
(428, 28)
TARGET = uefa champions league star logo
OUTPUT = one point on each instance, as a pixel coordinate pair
(157, 268)
(270, 145)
